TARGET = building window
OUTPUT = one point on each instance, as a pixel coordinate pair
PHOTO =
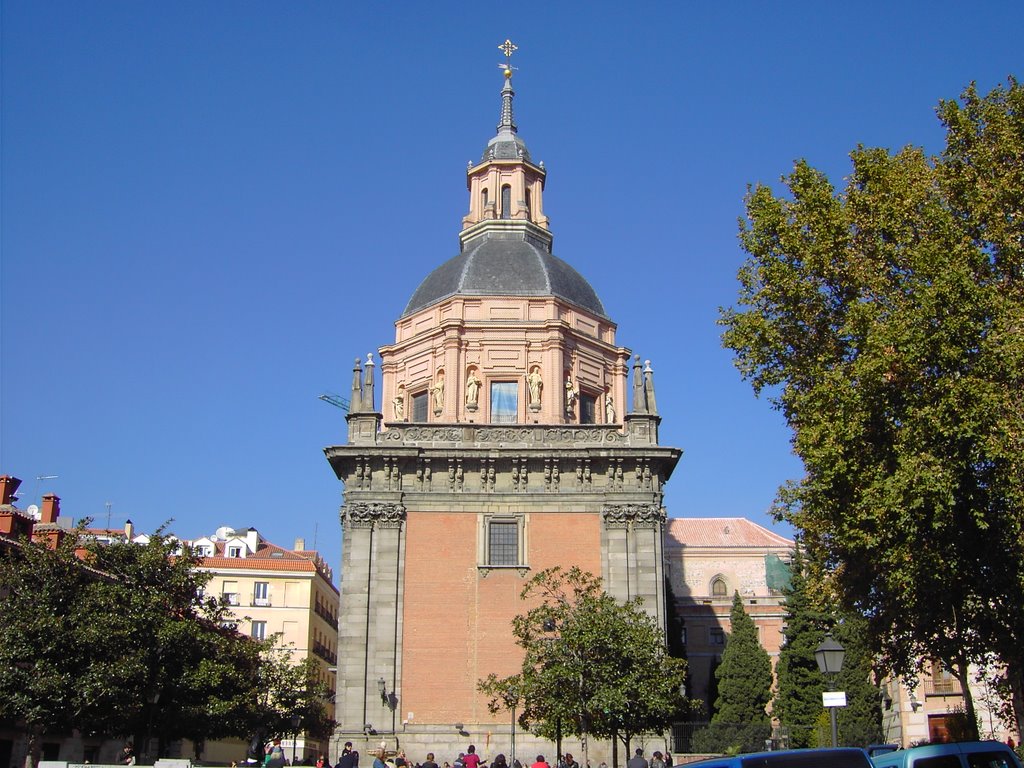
(588, 409)
(719, 588)
(419, 407)
(716, 636)
(485, 201)
(259, 630)
(506, 202)
(682, 635)
(229, 595)
(504, 402)
(261, 593)
(234, 551)
(529, 204)
(502, 541)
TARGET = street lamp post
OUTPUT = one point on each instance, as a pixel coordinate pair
(829, 656)
(296, 719)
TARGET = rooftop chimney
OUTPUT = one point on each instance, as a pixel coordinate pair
(129, 530)
(51, 508)
(300, 545)
(8, 487)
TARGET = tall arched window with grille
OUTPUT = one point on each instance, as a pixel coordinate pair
(506, 202)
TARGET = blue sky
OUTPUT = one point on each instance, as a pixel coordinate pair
(209, 209)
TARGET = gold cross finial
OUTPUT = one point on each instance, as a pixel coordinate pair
(508, 48)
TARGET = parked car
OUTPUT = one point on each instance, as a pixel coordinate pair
(965, 754)
(841, 757)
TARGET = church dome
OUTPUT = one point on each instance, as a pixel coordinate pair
(511, 263)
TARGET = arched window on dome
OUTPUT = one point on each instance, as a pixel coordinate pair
(719, 589)
(484, 201)
(529, 204)
(506, 202)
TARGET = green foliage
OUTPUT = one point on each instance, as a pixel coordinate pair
(124, 644)
(885, 324)
(797, 702)
(287, 690)
(731, 738)
(197, 678)
(66, 653)
(860, 721)
(745, 674)
(591, 665)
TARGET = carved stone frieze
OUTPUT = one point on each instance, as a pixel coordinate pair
(370, 514)
(633, 515)
(529, 434)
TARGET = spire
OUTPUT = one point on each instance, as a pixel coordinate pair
(507, 124)
(356, 401)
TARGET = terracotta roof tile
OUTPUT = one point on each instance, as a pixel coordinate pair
(722, 532)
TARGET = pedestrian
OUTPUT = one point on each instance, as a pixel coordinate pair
(637, 760)
(378, 759)
(471, 759)
(668, 759)
(499, 761)
(128, 754)
(401, 761)
(540, 762)
(460, 761)
(320, 762)
(568, 762)
(349, 757)
(429, 762)
(275, 755)
(656, 760)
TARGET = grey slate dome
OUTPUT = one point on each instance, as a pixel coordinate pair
(505, 264)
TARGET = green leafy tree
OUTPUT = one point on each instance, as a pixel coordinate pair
(591, 666)
(885, 324)
(198, 677)
(67, 654)
(740, 721)
(290, 693)
(797, 702)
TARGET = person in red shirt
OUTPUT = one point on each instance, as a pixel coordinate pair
(541, 763)
(471, 759)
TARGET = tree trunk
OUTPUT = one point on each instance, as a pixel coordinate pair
(615, 749)
(35, 740)
(1015, 679)
(960, 670)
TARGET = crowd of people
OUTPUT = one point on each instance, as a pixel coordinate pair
(349, 758)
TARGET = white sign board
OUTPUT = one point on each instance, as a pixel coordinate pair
(833, 698)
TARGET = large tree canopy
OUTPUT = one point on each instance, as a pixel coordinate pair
(886, 324)
(592, 666)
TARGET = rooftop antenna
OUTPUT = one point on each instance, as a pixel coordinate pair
(316, 528)
(41, 479)
(109, 505)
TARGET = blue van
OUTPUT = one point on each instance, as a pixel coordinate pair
(840, 757)
(965, 754)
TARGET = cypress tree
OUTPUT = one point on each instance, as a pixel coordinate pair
(745, 674)
(797, 702)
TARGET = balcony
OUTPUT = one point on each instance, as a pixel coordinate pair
(229, 598)
(325, 653)
(324, 614)
(943, 686)
(260, 602)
